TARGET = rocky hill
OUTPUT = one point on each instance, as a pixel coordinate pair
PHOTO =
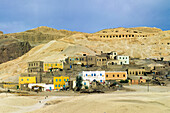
(53, 45)
(11, 49)
(41, 35)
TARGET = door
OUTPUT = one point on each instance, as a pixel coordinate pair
(50, 88)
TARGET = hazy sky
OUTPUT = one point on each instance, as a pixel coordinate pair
(83, 15)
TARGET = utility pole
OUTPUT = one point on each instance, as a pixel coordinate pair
(148, 85)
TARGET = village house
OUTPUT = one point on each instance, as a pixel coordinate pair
(44, 86)
(53, 66)
(24, 81)
(35, 68)
(94, 75)
(77, 60)
(101, 61)
(111, 55)
(138, 79)
(72, 84)
(115, 75)
(122, 59)
(59, 82)
(136, 72)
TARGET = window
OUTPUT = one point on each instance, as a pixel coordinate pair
(67, 79)
(118, 75)
(55, 85)
(139, 72)
(86, 74)
(21, 79)
(70, 59)
(64, 86)
(60, 80)
(101, 81)
(106, 75)
(64, 79)
(113, 75)
(84, 83)
(94, 74)
(124, 75)
(56, 80)
(27, 79)
(75, 59)
(119, 57)
(59, 85)
(100, 74)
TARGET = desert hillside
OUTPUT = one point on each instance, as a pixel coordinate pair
(53, 45)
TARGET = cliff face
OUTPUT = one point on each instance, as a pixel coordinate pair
(12, 49)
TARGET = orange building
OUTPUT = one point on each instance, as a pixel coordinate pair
(116, 75)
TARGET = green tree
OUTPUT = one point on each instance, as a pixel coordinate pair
(79, 80)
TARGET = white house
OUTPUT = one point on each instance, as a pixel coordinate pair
(45, 86)
(94, 75)
(123, 59)
(84, 83)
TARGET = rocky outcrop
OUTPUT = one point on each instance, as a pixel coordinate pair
(10, 50)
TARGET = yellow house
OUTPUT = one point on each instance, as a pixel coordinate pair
(27, 80)
(59, 82)
(53, 66)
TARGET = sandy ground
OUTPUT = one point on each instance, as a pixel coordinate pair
(141, 101)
